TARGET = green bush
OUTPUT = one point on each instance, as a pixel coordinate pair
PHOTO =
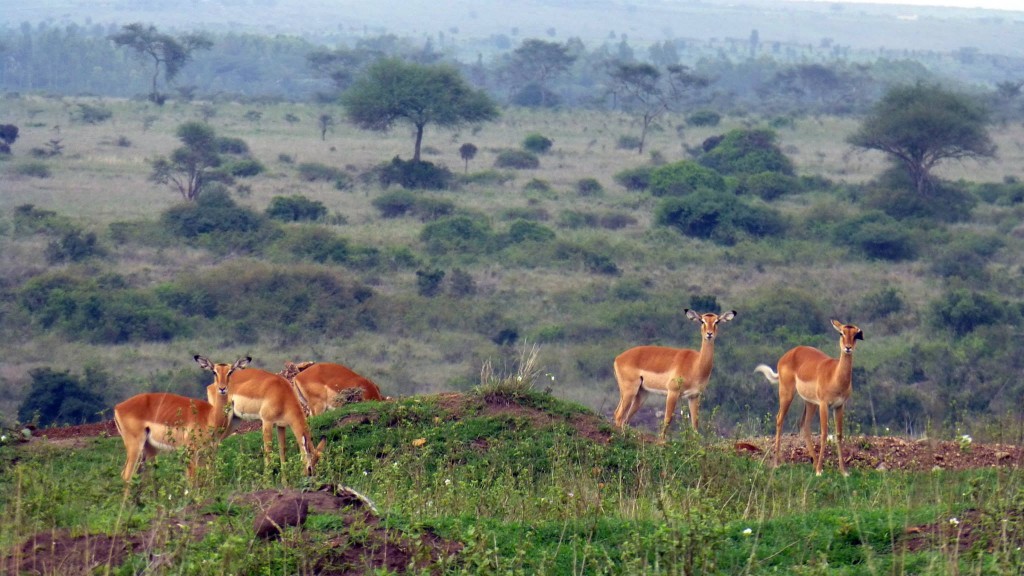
(91, 114)
(32, 169)
(31, 220)
(635, 179)
(58, 398)
(517, 159)
(484, 177)
(399, 203)
(428, 282)
(457, 234)
(770, 185)
(536, 213)
(295, 208)
(73, 246)
(243, 168)
(414, 175)
(895, 194)
(962, 311)
(882, 302)
(877, 236)
(616, 220)
(578, 219)
(743, 151)
(538, 185)
(316, 244)
(526, 231)
(704, 118)
(720, 217)
(589, 187)
(215, 222)
(684, 177)
(627, 142)
(537, 143)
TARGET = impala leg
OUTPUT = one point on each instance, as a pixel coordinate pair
(785, 399)
(823, 418)
(634, 406)
(625, 401)
(134, 459)
(670, 407)
(268, 433)
(839, 440)
(281, 437)
(694, 402)
(805, 432)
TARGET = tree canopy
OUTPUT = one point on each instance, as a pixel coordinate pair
(189, 164)
(392, 91)
(921, 125)
(165, 50)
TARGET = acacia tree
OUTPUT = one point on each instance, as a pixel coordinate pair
(643, 89)
(392, 91)
(188, 167)
(164, 50)
(922, 125)
(534, 64)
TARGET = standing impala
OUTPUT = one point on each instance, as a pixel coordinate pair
(320, 384)
(256, 394)
(158, 421)
(821, 381)
(673, 372)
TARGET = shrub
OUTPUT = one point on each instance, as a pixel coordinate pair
(717, 216)
(428, 282)
(684, 177)
(244, 168)
(536, 213)
(882, 302)
(537, 143)
(229, 145)
(496, 177)
(457, 234)
(877, 235)
(589, 187)
(635, 179)
(414, 175)
(73, 246)
(771, 185)
(295, 208)
(395, 204)
(895, 194)
(517, 159)
(747, 152)
(537, 185)
(89, 114)
(526, 231)
(32, 169)
(461, 284)
(961, 311)
(616, 220)
(628, 142)
(31, 220)
(58, 398)
(214, 221)
(704, 118)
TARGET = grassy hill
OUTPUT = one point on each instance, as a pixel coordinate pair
(501, 479)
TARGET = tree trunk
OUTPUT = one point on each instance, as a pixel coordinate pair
(419, 140)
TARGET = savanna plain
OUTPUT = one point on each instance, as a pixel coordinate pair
(497, 454)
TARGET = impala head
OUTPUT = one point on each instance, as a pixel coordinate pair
(848, 336)
(709, 322)
(314, 454)
(222, 372)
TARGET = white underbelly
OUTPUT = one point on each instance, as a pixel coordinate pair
(664, 391)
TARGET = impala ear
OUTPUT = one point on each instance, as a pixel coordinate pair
(727, 316)
(838, 325)
(202, 361)
(692, 315)
(242, 363)
(859, 336)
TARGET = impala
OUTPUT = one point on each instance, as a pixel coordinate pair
(256, 394)
(320, 383)
(821, 381)
(673, 372)
(149, 423)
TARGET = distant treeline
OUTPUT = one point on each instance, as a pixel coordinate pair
(744, 75)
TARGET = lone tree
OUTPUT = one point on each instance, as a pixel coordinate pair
(392, 91)
(8, 134)
(467, 152)
(922, 125)
(533, 65)
(189, 166)
(645, 90)
(164, 50)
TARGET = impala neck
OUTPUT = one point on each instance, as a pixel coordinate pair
(707, 354)
(844, 367)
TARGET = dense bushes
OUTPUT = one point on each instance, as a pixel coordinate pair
(635, 179)
(877, 235)
(58, 398)
(457, 234)
(398, 203)
(215, 222)
(414, 175)
(537, 143)
(517, 159)
(295, 208)
(716, 216)
(685, 177)
(745, 152)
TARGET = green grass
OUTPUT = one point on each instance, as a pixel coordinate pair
(504, 471)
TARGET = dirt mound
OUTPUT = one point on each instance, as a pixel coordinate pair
(376, 547)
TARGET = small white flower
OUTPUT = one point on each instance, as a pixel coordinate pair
(570, 494)
(447, 482)
(954, 522)
(747, 532)
(365, 473)
(831, 438)
(186, 491)
(3, 438)
(966, 439)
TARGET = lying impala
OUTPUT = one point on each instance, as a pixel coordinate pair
(821, 381)
(319, 384)
(672, 372)
(158, 421)
(256, 394)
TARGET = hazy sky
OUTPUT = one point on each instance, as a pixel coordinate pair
(989, 4)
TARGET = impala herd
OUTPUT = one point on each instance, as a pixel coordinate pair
(151, 422)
